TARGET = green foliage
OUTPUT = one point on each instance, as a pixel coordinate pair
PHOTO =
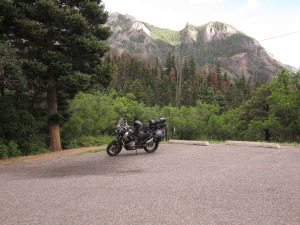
(166, 35)
(11, 76)
(4, 151)
(95, 115)
(10, 150)
(86, 141)
(272, 112)
(34, 145)
(60, 44)
(55, 44)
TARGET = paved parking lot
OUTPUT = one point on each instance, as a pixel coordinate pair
(178, 184)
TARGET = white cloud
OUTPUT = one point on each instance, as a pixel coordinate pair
(250, 7)
(253, 4)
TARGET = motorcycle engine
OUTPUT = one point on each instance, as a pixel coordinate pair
(130, 145)
(128, 135)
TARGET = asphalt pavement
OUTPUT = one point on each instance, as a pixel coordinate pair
(178, 184)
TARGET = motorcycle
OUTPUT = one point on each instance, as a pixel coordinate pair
(137, 137)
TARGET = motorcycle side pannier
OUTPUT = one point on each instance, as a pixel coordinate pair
(157, 121)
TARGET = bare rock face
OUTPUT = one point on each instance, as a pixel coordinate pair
(217, 30)
(138, 26)
(189, 34)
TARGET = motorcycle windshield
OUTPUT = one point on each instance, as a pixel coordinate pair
(122, 122)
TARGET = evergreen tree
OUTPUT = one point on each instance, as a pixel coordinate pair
(283, 105)
(186, 70)
(192, 67)
(62, 42)
(214, 80)
(11, 76)
(186, 94)
(257, 111)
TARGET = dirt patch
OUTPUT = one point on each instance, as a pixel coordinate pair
(50, 155)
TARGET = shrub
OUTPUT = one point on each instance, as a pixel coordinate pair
(3, 150)
(9, 150)
(86, 141)
(34, 145)
(13, 150)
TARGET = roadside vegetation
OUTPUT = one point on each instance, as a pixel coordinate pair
(270, 114)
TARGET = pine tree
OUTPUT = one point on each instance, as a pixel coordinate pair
(62, 42)
(192, 67)
(214, 80)
(186, 70)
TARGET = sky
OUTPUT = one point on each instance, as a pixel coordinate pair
(260, 19)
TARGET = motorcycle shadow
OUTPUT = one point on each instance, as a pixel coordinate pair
(131, 153)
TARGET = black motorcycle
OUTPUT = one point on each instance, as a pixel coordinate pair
(137, 137)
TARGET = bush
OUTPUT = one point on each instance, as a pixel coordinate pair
(13, 150)
(86, 141)
(34, 145)
(3, 151)
(216, 128)
(10, 150)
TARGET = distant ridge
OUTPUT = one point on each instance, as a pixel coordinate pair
(238, 54)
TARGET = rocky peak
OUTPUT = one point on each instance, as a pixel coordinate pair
(217, 30)
(139, 26)
(126, 23)
(113, 17)
(189, 34)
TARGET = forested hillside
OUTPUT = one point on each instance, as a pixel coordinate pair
(176, 81)
(239, 54)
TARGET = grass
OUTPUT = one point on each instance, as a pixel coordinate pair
(290, 144)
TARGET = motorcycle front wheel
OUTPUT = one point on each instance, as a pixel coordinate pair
(114, 148)
(151, 147)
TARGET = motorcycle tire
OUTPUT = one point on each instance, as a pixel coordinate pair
(151, 147)
(114, 148)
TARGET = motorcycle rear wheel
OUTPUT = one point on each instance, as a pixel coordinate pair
(151, 147)
(114, 148)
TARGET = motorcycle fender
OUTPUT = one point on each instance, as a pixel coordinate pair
(117, 141)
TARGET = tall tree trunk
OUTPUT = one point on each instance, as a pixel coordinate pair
(2, 91)
(267, 135)
(179, 81)
(54, 131)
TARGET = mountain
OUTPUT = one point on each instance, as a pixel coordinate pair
(237, 53)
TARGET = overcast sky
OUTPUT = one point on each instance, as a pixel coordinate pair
(260, 19)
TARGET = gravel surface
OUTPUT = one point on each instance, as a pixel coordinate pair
(178, 184)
